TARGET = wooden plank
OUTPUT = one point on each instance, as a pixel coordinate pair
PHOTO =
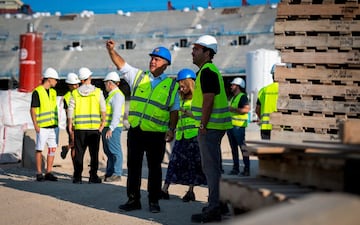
(265, 150)
(352, 57)
(302, 146)
(281, 135)
(349, 132)
(326, 25)
(303, 121)
(318, 73)
(324, 106)
(318, 42)
(326, 91)
(318, 9)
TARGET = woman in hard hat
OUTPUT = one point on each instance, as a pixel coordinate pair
(185, 161)
(72, 81)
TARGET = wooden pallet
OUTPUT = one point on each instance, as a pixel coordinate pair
(318, 42)
(318, 74)
(311, 91)
(289, 27)
(348, 10)
(324, 165)
(311, 57)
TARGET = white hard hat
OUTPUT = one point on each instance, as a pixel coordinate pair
(239, 81)
(72, 78)
(51, 73)
(113, 76)
(84, 73)
(207, 41)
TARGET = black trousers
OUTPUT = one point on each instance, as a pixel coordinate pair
(153, 144)
(84, 139)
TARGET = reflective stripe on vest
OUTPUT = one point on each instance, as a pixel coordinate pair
(109, 109)
(220, 117)
(239, 120)
(150, 108)
(87, 114)
(185, 127)
(268, 99)
(47, 113)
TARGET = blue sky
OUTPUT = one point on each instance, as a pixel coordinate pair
(111, 6)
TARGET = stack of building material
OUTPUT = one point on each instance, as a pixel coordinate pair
(320, 43)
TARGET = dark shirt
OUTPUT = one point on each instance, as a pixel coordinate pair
(209, 82)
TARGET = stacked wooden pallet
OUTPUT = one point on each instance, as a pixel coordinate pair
(319, 40)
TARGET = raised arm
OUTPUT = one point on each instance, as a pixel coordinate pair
(115, 57)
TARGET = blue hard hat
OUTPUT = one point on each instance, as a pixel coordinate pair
(162, 52)
(185, 73)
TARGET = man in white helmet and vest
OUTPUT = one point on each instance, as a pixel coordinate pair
(111, 135)
(267, 104)
(239, 108)
(86, 118)
(72, 81)
(153, 115)
(211, 112)
(44, 115)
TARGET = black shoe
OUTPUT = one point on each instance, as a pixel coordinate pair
(189, 196)
(130, 205)
(39, 177)
(234, 172)
(94, 180)
(64, 151)
(245, 173)
(154, 207)
(164, 195)
(50, 177)
(207, 216)
(77, 181)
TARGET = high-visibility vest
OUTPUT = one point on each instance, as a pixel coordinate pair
(268, 99)
(150, 108)
(185, 128)
(109, 109)
(239, 120)
(47, 113)
(87, 115)
(67, 97)
(220, 117)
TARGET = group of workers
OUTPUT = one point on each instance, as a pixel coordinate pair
(193, 109)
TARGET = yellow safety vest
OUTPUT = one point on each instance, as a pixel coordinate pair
(185, 128)
(109, 109)
(220, 117)
(67, 97)
(47, 113)
(268, 99)
(150, 108)
(87, 115)
(239, 120)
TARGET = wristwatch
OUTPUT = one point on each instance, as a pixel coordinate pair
(201, 126)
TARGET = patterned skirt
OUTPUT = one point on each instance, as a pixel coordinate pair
(185, 164)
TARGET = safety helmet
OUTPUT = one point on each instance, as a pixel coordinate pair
(207, 41)
(113, 76)
(51, 73)
(162, 52)
(184, 74)
(72, 78)
(84, 73)
(239, 81)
